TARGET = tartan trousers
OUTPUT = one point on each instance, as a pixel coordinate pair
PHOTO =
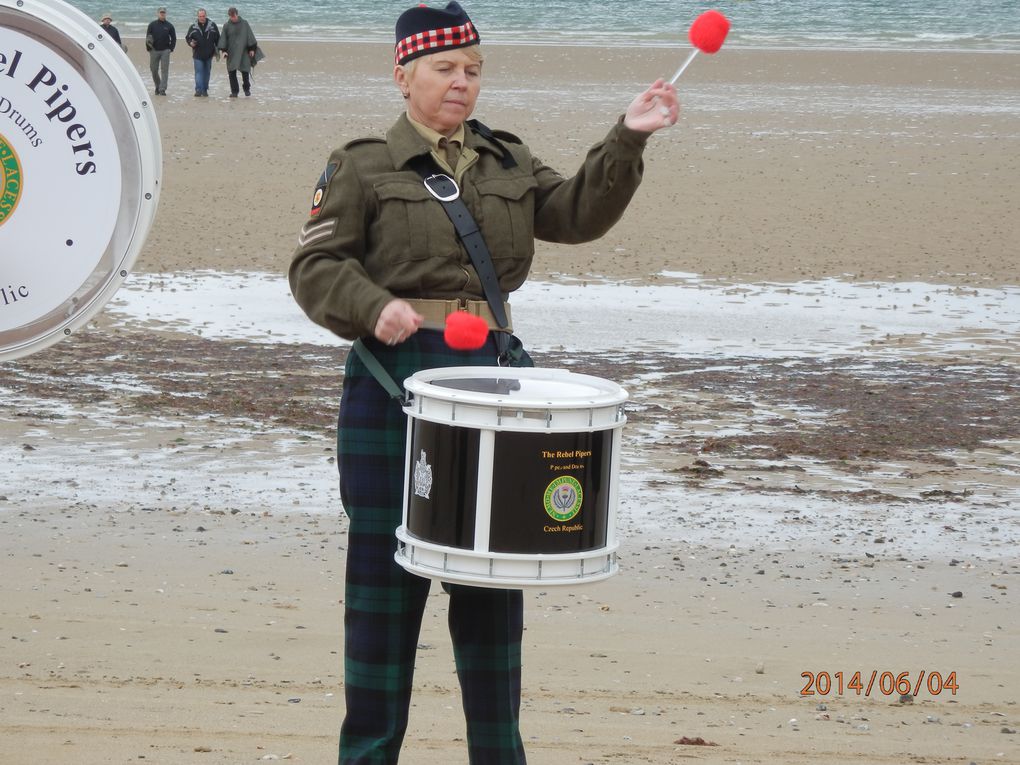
(384, 604)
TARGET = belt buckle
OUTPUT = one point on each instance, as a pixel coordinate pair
(443, 195)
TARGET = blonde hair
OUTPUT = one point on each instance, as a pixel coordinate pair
(474, 52)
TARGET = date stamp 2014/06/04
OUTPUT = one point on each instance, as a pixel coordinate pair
(878, 682)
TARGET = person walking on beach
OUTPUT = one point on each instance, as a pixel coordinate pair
(160, 41)
(238, 45)
(203, 37)
(106, 22)
(378, 258)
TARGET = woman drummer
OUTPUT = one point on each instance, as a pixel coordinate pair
(380, 261)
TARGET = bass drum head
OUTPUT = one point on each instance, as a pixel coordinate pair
(80, 161)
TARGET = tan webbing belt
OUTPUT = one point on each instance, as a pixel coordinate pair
(436, 311)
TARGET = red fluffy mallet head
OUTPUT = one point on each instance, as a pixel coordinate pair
(465, 332)
(708, 31)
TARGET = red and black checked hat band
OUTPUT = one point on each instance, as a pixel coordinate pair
(422, 30)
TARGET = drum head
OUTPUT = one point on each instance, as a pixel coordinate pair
(517, 386)
(80, 160)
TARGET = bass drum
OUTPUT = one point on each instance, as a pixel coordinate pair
(80, 164)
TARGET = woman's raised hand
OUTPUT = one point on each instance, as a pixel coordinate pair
(654, 109)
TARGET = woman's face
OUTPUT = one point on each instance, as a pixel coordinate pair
(441, 89)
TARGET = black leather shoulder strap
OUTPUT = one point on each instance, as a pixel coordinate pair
(445, 190)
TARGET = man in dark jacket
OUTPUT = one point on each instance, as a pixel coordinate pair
(106, 22)
(203, 37)
(160, 40)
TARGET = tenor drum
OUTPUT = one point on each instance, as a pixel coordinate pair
(511, 476)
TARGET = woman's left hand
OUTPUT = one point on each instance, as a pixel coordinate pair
(654, 109)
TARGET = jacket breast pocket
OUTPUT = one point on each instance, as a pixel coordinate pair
(411, 225)
(508, 215)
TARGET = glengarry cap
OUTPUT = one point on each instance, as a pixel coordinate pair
(422, 30)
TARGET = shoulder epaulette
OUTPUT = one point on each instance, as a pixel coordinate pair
(497, 137)
(358, 141)
(503, 135)
(487, 132)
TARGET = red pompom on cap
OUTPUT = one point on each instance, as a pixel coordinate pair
(465, 331)
(708, 31)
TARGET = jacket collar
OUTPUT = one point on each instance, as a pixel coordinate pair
(405, 142)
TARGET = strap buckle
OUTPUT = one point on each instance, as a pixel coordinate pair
(442, 187)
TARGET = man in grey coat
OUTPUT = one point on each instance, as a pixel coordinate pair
(238, 44)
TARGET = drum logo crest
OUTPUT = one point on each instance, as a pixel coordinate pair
(10, 180)
(422, 477)
(563, 498)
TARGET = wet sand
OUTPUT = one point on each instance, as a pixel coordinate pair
(172, 557)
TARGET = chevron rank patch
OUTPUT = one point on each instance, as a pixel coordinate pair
(316, 231)
(320, 187)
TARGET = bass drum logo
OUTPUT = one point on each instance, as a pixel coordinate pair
(10, 180)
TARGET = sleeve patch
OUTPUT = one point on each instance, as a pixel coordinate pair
(320, 188)
(314, 232)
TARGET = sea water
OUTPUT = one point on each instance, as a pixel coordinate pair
(906, 24)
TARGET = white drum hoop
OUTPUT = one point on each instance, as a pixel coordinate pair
(541, 404)
(501, 570)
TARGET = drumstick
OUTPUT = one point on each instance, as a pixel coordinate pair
(706, 34)
(465, 331)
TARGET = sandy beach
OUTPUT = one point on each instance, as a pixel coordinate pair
(785, 165)
(171, 570)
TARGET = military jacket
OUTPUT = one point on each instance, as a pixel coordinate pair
(376, 233)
